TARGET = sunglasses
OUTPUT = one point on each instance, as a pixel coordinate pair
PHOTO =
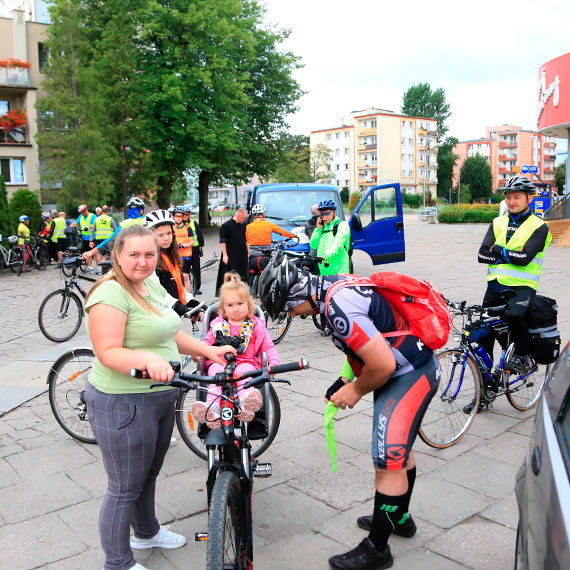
(325, 212)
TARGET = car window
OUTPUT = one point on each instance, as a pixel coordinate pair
(380, 204)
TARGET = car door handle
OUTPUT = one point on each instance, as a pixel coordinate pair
(399, 226)
(536, 460)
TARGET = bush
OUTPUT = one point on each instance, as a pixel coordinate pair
(344, 194)
(353, 201)
(468, 214)
(412, 200)
(497, 198)
(26, 202)
(7, 226)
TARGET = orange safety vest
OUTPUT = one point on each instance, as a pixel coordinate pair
(184, 241)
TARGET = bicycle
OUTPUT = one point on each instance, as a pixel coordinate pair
(10, 257)
(231, 465)
(36, 253)
(468, 378)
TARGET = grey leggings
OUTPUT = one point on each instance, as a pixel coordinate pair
(133, 432)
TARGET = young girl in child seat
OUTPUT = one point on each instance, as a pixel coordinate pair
(236, 323)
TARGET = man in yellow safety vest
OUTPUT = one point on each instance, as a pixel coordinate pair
(513, 248)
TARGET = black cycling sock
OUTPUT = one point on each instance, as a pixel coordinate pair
(411, 474)
(388, 510)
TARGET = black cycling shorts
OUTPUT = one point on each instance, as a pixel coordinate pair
(399, 407)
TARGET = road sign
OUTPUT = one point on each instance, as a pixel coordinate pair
(533, 169)
(524, 169)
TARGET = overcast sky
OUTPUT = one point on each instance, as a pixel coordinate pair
(485, 54)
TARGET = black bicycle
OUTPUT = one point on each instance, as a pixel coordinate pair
(469, 378)
(231, 466)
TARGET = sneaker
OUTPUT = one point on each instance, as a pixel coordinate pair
(406, 530)
(518, 364)
(137, 566)
(197, 292)
(363, 557)
(98, 271)
(207, 413)
(482, 407)
(89, 270)
(172, 441)
(164, 538)
(251, 402)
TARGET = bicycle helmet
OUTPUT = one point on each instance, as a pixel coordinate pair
(12, 239)
(45, 215)
(135, 202)
(82, 208)
(186, 209)
(275, 282)
(258, 209)
(23, 218)
(326, 205)
(178, 210)
(519, 184)
(158, 218)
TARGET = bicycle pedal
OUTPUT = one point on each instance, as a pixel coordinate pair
(262, 470)
(201, 536)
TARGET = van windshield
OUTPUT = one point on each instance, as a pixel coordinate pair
(293, 207)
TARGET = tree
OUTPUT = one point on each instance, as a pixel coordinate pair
(293, 164)
(6, 221)
(464, 194)
(560, 177)
(420, 101)
(476, 172)
(445, 164)
(321, 158)
(25, 202)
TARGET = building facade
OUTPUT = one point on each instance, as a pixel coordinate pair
(507, 148)
(21, 58)
(381, 147)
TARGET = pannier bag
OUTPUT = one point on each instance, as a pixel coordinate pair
(544, 337)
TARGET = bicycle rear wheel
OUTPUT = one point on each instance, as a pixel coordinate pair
(67, 382)
(528, 387)
(278, 328)
(193, 433)
(454, 406)
(15, 261)
(60, 315)
(41, 257)
(226, 525)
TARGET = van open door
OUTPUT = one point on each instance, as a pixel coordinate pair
(377, 224)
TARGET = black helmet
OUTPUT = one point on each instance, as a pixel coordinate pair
(275, 282)
(518, 184)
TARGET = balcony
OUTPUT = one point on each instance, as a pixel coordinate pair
(548, 170)
(366, 181)
(14, 77)
(364, 132)
(432, 133)
(503, 170)
(422, 163)
(363, 147)
(502, 157)
(508, 144)
(422, 131)
(502, 182)
(511, 157)
(14, 127)
(549, 157)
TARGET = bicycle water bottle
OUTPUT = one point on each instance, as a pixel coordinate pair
(482, 353)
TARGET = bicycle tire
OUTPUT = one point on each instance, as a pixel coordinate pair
(66, 270)
(61, 320)
(278, 328)
(317, 322)
(255, 286)
(15, 262)
(67, 381)
(41, 258)
(528, 387)
(445, 422)
(188, 427)
(226, 525)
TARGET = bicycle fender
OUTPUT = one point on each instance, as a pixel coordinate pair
(216, 437)
(62, 357)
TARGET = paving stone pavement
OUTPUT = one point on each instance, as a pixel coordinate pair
(51, 486)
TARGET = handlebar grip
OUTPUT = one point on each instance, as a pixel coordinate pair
(290, 367)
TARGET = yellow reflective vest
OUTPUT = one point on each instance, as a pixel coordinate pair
(517, 275)
(103, 228)
(59, 230)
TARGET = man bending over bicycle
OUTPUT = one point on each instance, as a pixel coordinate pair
(401, 371)
(258, 237)
(514, 247)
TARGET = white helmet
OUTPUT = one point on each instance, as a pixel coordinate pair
(12, 239)
(158, 218)
(135, 202)
(258, 209)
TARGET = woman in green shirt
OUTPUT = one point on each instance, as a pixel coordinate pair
(132, 325)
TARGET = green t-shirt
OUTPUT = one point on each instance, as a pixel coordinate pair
(143, 331)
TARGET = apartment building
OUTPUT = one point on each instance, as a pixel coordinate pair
(507, 148)
(381, 147)
(21, 59)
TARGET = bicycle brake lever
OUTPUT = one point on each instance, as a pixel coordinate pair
(281, 381)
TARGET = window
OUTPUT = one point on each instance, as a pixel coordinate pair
(345, 151)
(338, 166)
(380, 204)
(337, 136)
(328, 137)
(43, 56)
(346, 166)
(337, 152)
(12, 170)
(4, 107)
(403, 173)
(345, 134)
(373, 123)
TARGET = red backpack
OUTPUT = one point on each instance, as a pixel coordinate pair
(419, 302)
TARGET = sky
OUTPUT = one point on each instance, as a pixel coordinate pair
(366, 53)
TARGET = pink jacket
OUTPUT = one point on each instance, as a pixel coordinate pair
(259, 343)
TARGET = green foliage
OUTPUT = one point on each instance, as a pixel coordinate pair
(355, 197)
(445, 163)
(412, 200)
(468, 214)
(25, 202)
(420, 101)
(560, 177)
(344, 194)
(7, 226)
(293, 164)
(497, 198)
(321, 157)
(476, 172)
(465, 194)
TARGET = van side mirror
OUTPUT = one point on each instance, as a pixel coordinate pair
(356, 223)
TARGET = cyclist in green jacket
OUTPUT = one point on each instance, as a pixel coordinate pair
(331, 239)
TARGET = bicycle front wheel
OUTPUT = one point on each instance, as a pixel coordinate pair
(454, 406)
(67, 382)
(278, 328)
(41, 257)
(193, 433)
(60, 315)
(226, 525)
(527, 387)
(15, 262)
